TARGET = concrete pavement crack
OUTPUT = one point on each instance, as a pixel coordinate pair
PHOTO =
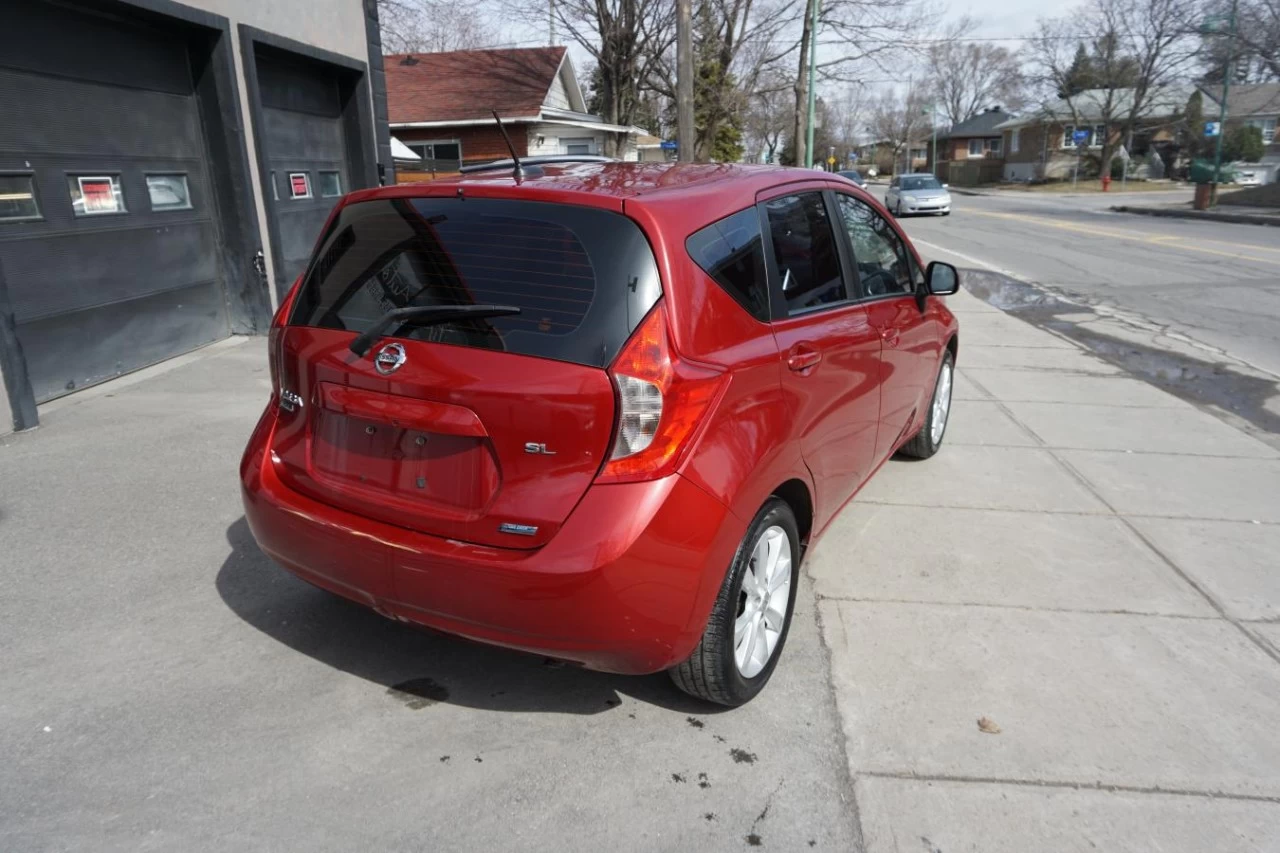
(1080, 786)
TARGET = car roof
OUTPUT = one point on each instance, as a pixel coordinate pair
(616, 180)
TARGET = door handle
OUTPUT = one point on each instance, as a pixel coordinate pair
(890, 336)
(803, 359)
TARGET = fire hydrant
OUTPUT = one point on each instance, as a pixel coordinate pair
(1106, 182)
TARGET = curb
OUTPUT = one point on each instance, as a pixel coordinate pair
(961, 191)
(1210, 215)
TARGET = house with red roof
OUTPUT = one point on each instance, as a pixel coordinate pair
(440, 105)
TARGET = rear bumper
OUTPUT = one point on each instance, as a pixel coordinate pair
(625, 586)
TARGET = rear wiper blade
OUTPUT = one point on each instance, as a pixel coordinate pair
(426, 315)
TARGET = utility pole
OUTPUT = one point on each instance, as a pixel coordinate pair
(551, 19)
(684, 80)
(1222, 113)
(933, 120)
(813, 62)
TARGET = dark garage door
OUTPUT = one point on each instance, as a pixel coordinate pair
(304, 148)
(108, 243)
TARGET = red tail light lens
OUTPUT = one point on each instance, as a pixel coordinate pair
(661, 402)
(275, 338)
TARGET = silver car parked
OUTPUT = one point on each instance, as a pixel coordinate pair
(917, 194)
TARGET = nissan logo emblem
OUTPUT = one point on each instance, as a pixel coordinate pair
(389, 359)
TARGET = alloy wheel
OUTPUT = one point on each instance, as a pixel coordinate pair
(762, 602)
(941, 403)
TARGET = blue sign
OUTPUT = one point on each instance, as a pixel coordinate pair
(1212, 128)
(669, 145)
(853, 155)
(1080, 137)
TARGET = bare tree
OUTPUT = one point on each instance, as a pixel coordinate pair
(769, 117)
(1136, 50)
(968, 76)
(899, 119)
(626, 39)
(856, 35)
(1257, 36)
(433, 26)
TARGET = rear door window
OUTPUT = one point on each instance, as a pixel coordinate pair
(805, 252)
(582, 278)
(731, 251)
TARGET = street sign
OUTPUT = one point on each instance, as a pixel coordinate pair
(853, 155)
(1080, 137)
(1212, 128)
(669, 145)
(831, 161)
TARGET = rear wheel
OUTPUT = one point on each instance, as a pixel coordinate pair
(748, 625)
(926, 442)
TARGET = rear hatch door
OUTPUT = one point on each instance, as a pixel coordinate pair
(480, 430)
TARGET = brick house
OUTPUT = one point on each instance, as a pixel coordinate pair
(1256, 105)
(971, 152)
(1040, 145)
(439, 106)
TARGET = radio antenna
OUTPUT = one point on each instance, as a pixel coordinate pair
(518, 172)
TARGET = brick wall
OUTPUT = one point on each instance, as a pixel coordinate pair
(479, 142)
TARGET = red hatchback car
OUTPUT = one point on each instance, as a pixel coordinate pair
(597, 411)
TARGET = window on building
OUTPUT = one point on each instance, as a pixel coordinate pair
(731, 251)
(1267, 126)
(1013, 140)
(92, 195)
(18, 198)
(580, 145)
(993, 146)
(299, 185)
(804, 252)
(169, 192)
(975, 147)
(444, 150)
(275, 188)
(1099, 136)
(330, 184)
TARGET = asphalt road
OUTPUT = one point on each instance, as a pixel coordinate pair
(1192, 306)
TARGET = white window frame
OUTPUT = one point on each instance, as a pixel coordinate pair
(979, 152)
(565, 141)
(1013, 140)
(1068, 132)
(427, 147)
(993, 146)
(306, 176)
(117, 191)
(35, 197)
(1099, 134)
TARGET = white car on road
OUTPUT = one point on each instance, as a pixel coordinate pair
(917, 194)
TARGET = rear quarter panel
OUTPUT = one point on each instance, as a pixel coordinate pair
(747, 448)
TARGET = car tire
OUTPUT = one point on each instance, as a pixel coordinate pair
(928, 440)
(722, 669)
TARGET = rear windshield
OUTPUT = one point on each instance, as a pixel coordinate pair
(582, 278)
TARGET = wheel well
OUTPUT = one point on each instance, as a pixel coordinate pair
(954, 346)
(796, 494)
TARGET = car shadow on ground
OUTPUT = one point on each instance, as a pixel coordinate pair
(419, 666)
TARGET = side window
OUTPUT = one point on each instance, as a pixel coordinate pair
(95, 194)
(884, 265)
(731, 251)
(804, 250)
(18, 198)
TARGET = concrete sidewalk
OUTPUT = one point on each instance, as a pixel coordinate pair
(1091, 565)
(1235, 214)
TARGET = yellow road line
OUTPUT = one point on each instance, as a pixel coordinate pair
(1140, 237)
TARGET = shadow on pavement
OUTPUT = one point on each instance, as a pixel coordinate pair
(419, 666)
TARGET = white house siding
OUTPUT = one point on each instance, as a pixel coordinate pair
(558, 97)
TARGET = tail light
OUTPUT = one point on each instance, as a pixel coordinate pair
(661, 402)
(275, 338)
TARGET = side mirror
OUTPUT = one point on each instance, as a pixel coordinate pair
(941, 279)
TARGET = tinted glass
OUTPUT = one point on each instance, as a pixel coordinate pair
(884, 265)
(17, 198)
(330, 184)
(804, 249)
(922, 182)
(583, 278)
(169, 192)
(852, 175)
(731, 251)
